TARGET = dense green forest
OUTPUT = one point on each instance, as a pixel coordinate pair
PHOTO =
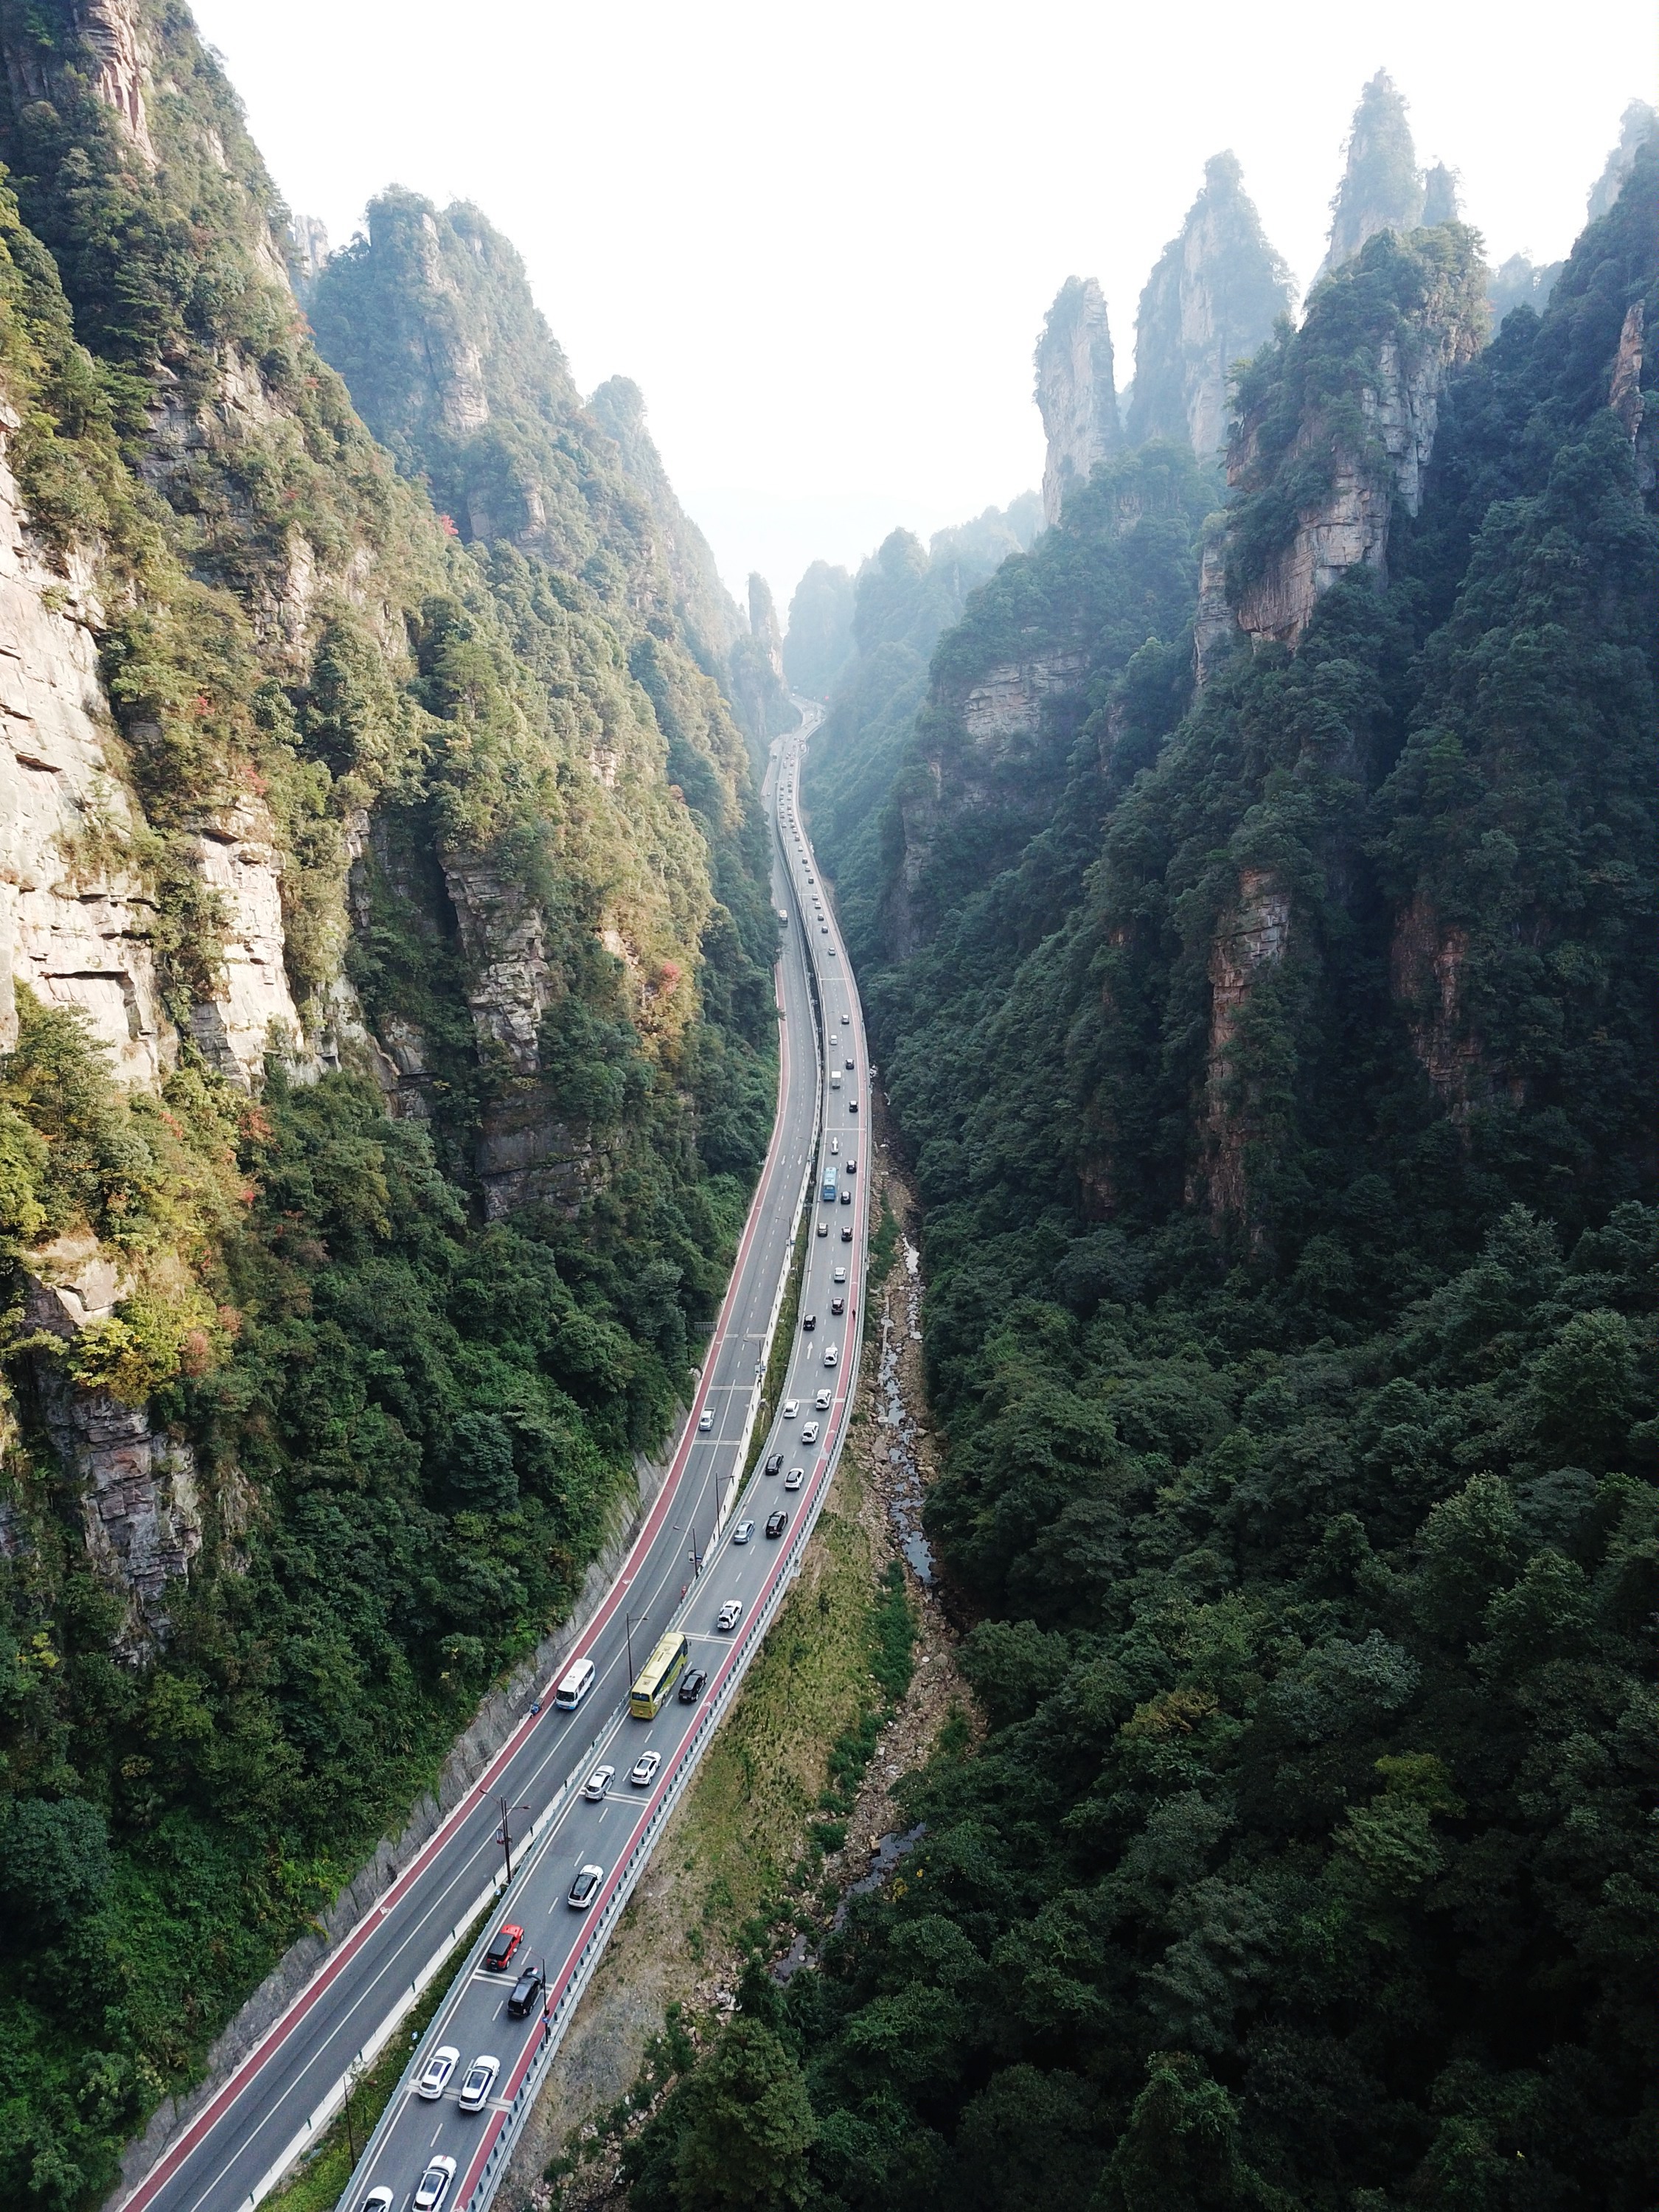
(1276, 1061)
(378, 1378)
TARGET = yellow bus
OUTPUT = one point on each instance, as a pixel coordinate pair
(658, 1676)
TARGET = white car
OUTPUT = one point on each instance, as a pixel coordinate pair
(480, 2081)
(730, 1613)
(791, 1407)
(831, 1354)
(586, 1888)
(377, 2200)
(794, 1479)
(598, 1783)
(433, 2186)
(705, 1425)
(821, 1401)
(439, 2068)
(743, 1532)
(646, 1764)
(840, 1274)
(809, 1435)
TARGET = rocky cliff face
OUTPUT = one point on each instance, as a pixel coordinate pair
(1315, 489)
(1214, 297)
(1251, 941)
(212, 711)
(76, 917)
(1076, 391)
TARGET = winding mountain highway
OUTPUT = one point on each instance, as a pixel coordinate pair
(688, 1562)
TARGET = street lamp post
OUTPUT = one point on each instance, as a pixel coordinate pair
(505, 1838)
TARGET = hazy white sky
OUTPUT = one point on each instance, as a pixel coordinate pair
(822, 238)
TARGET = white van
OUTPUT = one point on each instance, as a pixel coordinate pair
(575, 1685)
(835, 1078)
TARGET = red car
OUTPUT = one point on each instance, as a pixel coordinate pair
(507, 1942)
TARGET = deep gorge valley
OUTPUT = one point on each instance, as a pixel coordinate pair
(1244, 846)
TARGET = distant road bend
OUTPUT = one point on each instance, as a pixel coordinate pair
(276, 2102)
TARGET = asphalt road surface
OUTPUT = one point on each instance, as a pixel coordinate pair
(684, 1566)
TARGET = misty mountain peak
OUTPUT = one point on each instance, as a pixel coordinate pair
(1636, 125)
(1215, 294)
(1382, 188)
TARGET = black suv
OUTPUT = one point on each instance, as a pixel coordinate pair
(525, 1990)
(691, 1686)
(776, 1523)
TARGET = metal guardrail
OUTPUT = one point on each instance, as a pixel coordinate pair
(558, 2015)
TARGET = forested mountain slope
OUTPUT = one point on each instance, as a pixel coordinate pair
(387, 1038)
(1273, 1026)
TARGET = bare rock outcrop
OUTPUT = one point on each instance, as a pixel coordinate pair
(1214, 297)
(1427, 961)
(1215, 624)
(1076, 390)
(1625, 391)
(74, 915)
(1345, 524)
(989, 738)
(252, 1009)
(112, 45)
(140, 1507)
(1250, 940)
(503, 936)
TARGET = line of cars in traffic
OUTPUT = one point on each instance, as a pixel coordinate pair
(668, 1669)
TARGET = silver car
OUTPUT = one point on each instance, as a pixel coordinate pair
(743, 1532)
